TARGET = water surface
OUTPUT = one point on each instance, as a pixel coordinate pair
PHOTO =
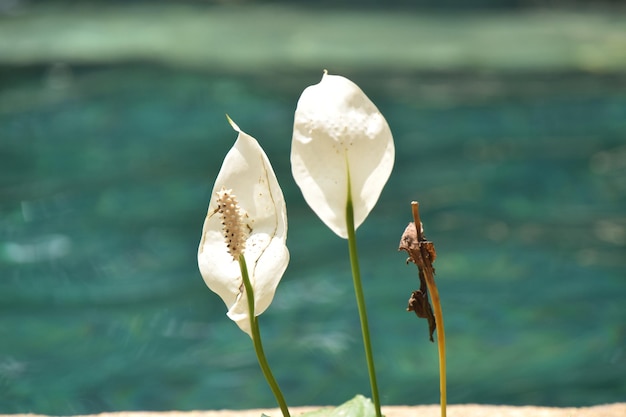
(105, 175)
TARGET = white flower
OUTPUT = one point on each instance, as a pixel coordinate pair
(246, 215)
(340, 138)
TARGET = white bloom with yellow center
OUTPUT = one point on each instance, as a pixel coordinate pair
(246, 216)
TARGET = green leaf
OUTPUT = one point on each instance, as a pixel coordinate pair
(359, 406)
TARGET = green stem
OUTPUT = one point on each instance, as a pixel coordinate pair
(360, 299)
(256, 339)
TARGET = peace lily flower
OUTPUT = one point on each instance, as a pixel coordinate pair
(342, 154)
(246, 217)
(341, 144)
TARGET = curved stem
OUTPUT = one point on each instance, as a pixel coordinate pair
(434, 295)
(441, 339)
(360, 299)
(256, 339)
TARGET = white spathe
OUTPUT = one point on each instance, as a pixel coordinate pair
(339, 136)
(246, 171)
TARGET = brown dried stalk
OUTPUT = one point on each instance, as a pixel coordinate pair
(422, 253)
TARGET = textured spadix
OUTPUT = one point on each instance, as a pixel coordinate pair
(340, 138)
(247, 176)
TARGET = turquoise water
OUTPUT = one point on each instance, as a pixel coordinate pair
(105, 174)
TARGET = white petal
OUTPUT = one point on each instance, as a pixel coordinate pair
(337, 128)
(247, 171)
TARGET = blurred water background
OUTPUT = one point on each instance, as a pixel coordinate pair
(510, 128)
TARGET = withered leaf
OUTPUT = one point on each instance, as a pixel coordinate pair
(422, 254)
(420, 305)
